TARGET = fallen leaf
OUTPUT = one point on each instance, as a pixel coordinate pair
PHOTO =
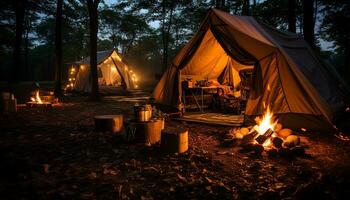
(208, 179)
(221, 152)
(181, 178)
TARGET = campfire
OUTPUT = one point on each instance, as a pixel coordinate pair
(267, 135)
(44, 101)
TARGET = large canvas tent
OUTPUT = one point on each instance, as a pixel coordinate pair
(287, 74)
(112, 71)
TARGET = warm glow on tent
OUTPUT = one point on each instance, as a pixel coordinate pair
(82, 67)
(113, 69)
(72, 70)
(115, 56)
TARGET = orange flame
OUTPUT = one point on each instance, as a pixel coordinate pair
(267, 122)
(37, 98)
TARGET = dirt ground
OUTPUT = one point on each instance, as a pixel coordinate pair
(56, 154)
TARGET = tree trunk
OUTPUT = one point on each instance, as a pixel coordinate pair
(291, 16)
(58, 49)
(166, 34)
(16, 68)
(220, 4)
(245, 7)
(347, 60)
(308, 22)
(92, 7)
(254, 8)
(26, 48)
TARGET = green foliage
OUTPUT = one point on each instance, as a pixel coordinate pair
(145, 31)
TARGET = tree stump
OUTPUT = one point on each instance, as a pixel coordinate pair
(110, 123)
(8, 103)
(174, 140)
(147, 132)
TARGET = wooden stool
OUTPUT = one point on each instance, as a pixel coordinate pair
(147, 132)
(110, 123)
(174, 140)
(8, 103)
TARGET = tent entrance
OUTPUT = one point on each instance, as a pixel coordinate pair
(208, 73)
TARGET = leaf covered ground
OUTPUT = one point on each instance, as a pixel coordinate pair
(56, 154)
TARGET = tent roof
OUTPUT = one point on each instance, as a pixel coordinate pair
(101, 56)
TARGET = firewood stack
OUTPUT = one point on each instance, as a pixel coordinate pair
(281, 140)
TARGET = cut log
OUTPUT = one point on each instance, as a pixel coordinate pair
(174, 140)
(262, 138)
(272, 152)
(148, 133)
(109, 123)
(258, 148)
(277, 142)
(249, 137)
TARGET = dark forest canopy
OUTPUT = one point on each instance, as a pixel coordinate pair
(149, 33)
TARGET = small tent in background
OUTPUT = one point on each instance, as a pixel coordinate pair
(112, 71)
(287, 74)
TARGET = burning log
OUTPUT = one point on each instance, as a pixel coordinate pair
(277, 142)
(110, 123)
(174, 141)
(262, 138)
(249, 138)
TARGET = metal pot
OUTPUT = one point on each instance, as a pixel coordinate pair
(144, 113)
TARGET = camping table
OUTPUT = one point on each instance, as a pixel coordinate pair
(200, 106)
